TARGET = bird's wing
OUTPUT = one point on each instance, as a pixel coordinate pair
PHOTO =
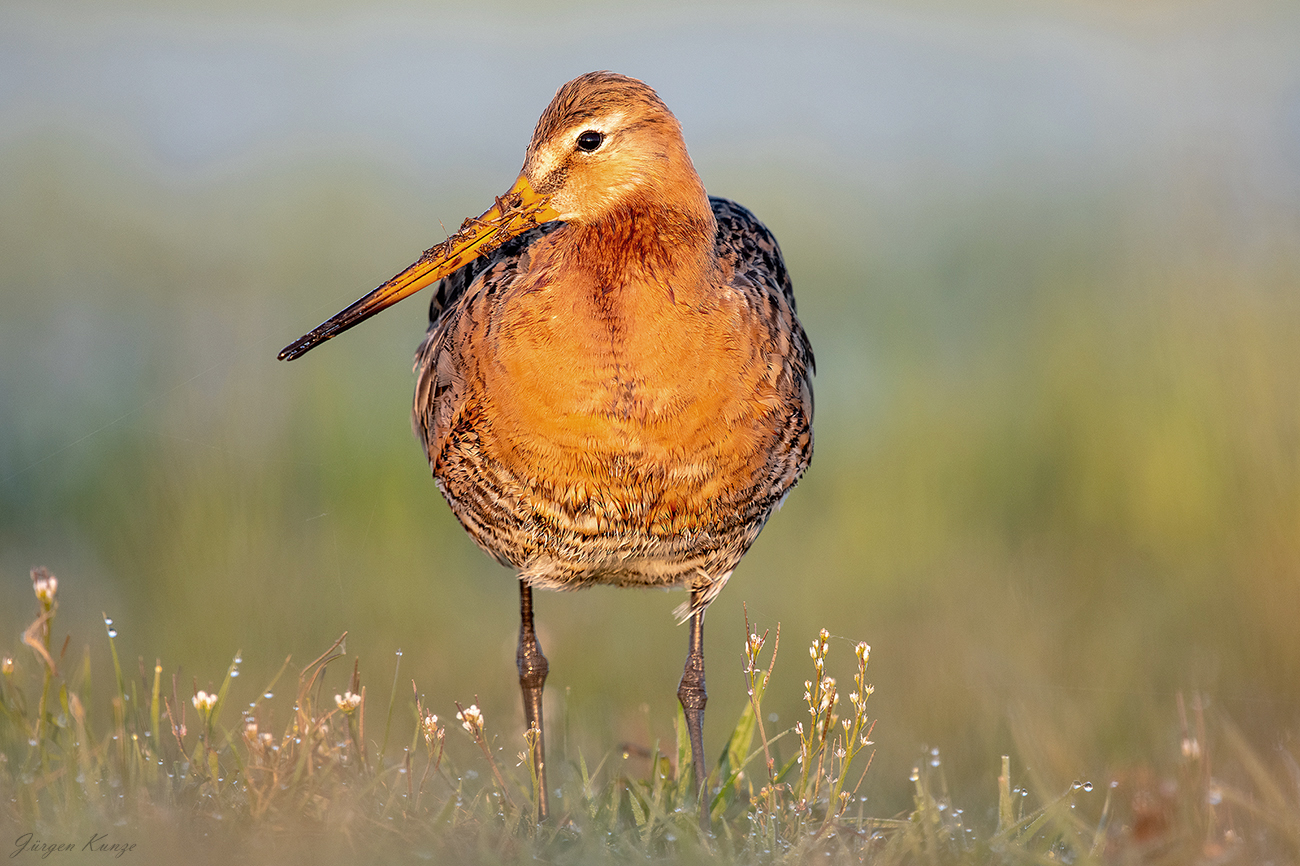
(759, 273)
(753, 253)
(754, 250)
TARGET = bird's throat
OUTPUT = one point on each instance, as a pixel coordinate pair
(643, 245)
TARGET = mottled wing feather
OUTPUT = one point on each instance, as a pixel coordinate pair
(755, 249)
(759, 268)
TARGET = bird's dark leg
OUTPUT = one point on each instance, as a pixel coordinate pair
(693, 697)
(532, 676)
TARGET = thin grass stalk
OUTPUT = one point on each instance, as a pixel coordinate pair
(392, 701)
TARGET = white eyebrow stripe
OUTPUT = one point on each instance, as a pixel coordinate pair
(602, 124)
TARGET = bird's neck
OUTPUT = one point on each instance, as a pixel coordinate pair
(647, 242)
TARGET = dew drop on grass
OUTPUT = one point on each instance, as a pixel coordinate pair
(269, 695)
(239, 660)
(108, 620)
(112, 632)
(916, 774)
(1087, 786)
(1076, 785)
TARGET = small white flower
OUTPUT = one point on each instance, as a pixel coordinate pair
(204, 702)
(45, 586)
(429, 724)
(347, 702)
(471, 719)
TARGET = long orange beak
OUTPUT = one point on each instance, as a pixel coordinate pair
(513, 214)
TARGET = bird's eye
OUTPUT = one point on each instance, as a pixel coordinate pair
(590, 140)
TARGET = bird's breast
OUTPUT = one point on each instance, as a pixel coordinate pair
(592, 378)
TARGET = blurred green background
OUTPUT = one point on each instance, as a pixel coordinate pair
(1047, 255)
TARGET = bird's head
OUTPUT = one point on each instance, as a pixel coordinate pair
(605, 146)
(607, 143)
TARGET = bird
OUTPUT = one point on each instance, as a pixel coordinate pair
(615, 387)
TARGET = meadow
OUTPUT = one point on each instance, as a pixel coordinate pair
(1049, 265)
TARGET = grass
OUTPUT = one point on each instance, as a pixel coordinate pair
(164, 768)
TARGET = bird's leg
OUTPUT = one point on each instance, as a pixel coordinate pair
(532, 676)
(693, 697)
